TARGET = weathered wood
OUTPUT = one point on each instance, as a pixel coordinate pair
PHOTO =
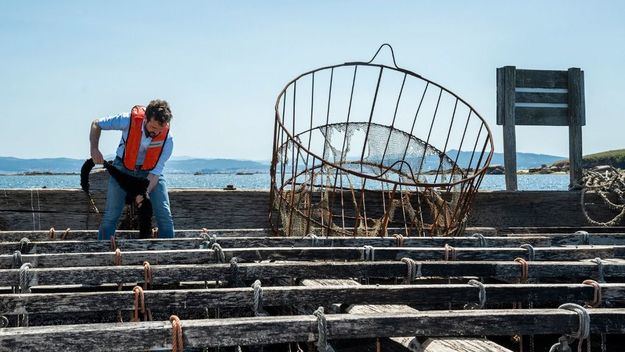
(282, 329)
(577, 118)
(506, 77)
(254, 242)
(448, 344)
(167, 274)
(498, 209)
(541, 79)
(207, 256)
(541, 116)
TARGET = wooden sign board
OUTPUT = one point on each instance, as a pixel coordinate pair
(540, 98)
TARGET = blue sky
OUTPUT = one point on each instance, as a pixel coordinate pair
(222, 64)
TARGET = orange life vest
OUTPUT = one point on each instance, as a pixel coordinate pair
(133, 142)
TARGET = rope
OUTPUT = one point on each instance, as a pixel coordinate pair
(413, 270)
(582, 333)
(117, 259)
(322, 328)
(234, 272)
(481, 294)
(596, 300)
(450, 252)
(24, 287)
(139, 302)
(220, 257)
(25, 278)
(65, 233)
(177, 339)
(603, 183)
(600, 273)
(113, 243)
(585, 236)
(147, 274)
(25, 245)
(258, 297)
(524, 269)
(368, 253)
(531, 255)
(52, 233)
(4, 322)
(155, 232)
(207, 240)
(17, 259)
(481, 238)
(399, 240)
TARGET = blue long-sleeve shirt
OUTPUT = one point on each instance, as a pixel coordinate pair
(121, 122)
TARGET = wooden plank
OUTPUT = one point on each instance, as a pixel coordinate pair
(207, 256)
(498, 209)
(282, 329)
(168, 274)
(577, 118)
(541, 79)
(549, 98)
(450, 344)
(254, 242)
(507, 100)
(542, 116)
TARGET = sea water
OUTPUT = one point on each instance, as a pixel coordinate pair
(261, 181)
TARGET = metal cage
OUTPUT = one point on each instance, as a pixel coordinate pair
(362, 147)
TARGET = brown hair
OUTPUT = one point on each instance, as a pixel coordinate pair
(158, 110)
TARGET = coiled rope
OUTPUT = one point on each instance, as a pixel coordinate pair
(603, 183)
(322, 328)
(582, 333)
(413, 270)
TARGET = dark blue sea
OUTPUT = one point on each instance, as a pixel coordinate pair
(260, 181)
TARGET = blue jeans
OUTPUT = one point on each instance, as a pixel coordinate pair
(115, 197)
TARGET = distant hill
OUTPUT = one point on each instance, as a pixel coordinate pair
(614, 158)
(524, 161)
(10, 165)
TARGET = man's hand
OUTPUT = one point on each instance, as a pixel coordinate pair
(139, 199)
(97, 157)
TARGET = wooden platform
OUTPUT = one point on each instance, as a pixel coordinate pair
(387, 294)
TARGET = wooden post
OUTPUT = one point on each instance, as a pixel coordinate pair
(577, 118)
(506, 78)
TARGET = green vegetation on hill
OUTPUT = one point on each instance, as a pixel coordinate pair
(614, 158)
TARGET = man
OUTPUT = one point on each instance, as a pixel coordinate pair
(145, 147)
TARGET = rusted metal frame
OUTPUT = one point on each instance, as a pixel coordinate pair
(410, 73)
(294, 163)
(325, 136)
(364, 147)
(451, 125)
(312, 172)
(343, 151)
(272, 172)
(464, 133)
(427, 141)
(477, 139)
(283, 160)
(388, 140)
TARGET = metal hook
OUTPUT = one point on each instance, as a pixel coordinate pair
(380, 49)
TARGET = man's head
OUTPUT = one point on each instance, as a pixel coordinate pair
(157, 115)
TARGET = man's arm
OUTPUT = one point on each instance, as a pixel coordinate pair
(154, 175)
(94, 141)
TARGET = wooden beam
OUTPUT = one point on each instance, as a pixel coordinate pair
(577, 118)
(282, 329)
(92, 235)
(506, 78)
(74, 246)
(208, 256)
(168, 274)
